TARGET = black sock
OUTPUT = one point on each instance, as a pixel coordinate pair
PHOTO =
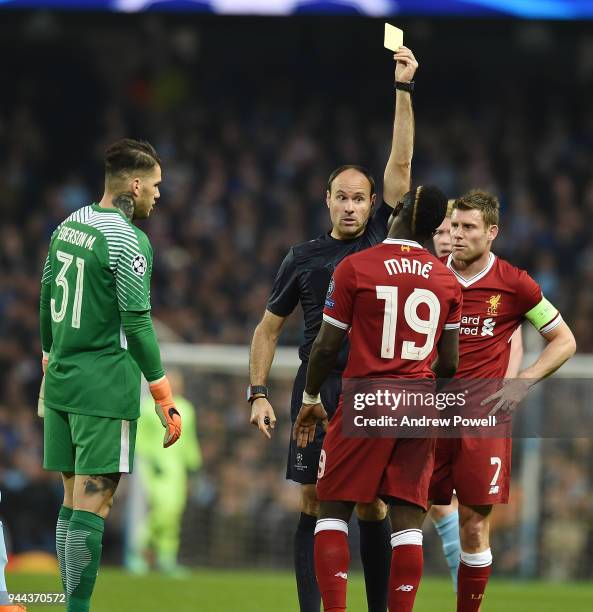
(304, 564)
(375, 552)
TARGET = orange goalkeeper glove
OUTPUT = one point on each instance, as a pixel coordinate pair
(166, 411)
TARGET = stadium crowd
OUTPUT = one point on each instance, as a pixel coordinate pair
(246, 154)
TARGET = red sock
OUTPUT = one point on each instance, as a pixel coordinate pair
(332, 558)
(406, 569)
(474, 571)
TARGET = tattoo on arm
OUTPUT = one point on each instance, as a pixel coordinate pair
(125, 203)
(101, 484)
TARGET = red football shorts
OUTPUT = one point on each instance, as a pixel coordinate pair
(362, 469)
(478, 469)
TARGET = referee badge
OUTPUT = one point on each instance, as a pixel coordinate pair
(330, 291)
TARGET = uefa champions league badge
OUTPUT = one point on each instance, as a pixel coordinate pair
(139, 265)
(330, 290)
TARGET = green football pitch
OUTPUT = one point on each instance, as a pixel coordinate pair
(265, 591)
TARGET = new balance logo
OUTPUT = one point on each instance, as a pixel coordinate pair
(343, 575)
(493, 490)
(405, 587)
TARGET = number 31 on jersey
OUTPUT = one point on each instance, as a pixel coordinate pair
(58, 314)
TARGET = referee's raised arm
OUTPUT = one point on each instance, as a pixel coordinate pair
(397, 178)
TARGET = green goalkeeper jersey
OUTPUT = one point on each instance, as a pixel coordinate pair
(99, 264)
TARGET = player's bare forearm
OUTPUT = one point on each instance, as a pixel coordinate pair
(324, 354)
(398, 171)
(263, 347)
(447, 359)
(516, 355)
(560, 348)
(321, 363)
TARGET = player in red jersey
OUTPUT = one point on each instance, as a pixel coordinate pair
(497, 298)
(398, 302)
(445, 517)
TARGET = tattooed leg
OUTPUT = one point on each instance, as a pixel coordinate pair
(101, 484)
(94, 493)
(93, 497)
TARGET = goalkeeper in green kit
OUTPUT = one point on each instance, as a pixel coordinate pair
(97, 337)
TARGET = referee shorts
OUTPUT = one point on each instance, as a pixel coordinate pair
(302, 463)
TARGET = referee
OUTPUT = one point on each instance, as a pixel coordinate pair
(303, 277)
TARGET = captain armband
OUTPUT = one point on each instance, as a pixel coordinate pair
(544, 317)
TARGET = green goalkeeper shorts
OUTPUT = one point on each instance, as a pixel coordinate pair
(85, 444)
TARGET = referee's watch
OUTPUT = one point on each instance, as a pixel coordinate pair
(253, 390)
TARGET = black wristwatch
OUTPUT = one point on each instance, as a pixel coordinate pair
(256, 390)
(403, 86)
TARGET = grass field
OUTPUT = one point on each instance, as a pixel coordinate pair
(232, 591)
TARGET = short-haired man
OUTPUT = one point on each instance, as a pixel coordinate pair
(304, 276)
(446, 518)
(97, 336)
(441, 240)
(497, 298)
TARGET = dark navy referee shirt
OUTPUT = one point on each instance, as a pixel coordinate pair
(306, 271)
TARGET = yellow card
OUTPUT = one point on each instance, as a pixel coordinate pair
(394, 37)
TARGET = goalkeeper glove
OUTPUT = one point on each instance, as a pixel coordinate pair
(166, 411)
(41, 400)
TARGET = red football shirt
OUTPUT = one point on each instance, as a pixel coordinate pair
(395, 298)
(495, 302)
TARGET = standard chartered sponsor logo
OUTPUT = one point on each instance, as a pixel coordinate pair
(488, 327)
(471, 325)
